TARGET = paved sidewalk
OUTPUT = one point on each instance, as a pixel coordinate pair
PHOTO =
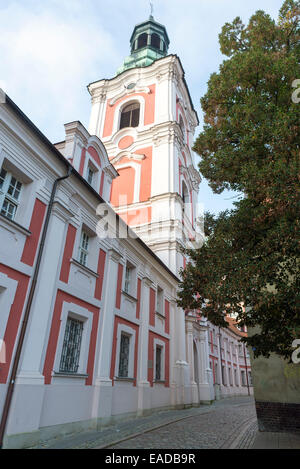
(146, 426)
(270, 440)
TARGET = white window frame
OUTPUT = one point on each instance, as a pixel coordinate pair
(162, 345)
(82, 249)
(132, 269)
(122, 328)
(96, 169)
(159, 307)
(74, 311)
(118, 110)
(4, 192)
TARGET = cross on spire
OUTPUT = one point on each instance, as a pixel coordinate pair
(151, 8)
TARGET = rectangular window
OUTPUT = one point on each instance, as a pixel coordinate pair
(90, 175)
(10, 190)
(83, 248)
(124, 356)
(158, 358)
(159, 301)
(69, 362)
(127, 279)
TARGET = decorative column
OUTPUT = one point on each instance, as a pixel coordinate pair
(144, 401)
(205, 389)
(190, 358)
(102, 399)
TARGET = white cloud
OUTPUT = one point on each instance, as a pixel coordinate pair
(47, 59)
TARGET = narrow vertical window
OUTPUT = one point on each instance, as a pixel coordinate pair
(90, 175)
(158, 358)
(69, 362)
(83, 248)
(159, 301)
(127, 280)
(124, 356)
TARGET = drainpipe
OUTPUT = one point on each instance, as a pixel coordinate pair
(17, 356)
(246, 369)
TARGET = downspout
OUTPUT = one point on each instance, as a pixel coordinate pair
(17, 356)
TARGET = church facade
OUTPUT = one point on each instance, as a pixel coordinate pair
(91, 234)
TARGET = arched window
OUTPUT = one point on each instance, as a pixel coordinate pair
(130, 116)
(142, 40)
(155, 41)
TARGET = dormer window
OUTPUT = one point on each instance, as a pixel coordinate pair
(90, 175)
(130, 116)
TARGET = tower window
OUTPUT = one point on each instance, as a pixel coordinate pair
(130, 116)
(155, 41)
(142, 40)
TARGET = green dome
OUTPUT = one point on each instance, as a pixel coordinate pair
(149, 42)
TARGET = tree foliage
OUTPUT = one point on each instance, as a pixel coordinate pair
(249, 263)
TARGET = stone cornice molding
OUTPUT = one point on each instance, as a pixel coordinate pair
(128, 92)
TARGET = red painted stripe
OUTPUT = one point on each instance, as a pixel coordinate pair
(82, 161)
(67, 256)
(100, 271)
(94, 155)
(118, 321)
(92, 349)
(152, 308)
(62, 297)
(36, 224)
(167, 317)
(14, 317)
(119, 286)
(138, 305)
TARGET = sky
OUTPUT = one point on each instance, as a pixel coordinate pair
(50, 50)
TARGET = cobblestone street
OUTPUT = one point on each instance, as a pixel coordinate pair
(230, 423)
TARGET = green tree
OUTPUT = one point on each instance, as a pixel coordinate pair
(249, 263)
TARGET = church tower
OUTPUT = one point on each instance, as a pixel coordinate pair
(146, 120)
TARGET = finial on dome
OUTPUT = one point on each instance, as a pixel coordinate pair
(151, 10)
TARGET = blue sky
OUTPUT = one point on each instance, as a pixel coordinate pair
(51, 49)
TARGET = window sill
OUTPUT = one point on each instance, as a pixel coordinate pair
(130, 297)
(85, 268)
(159, 381)
(63, 374)
(119, 378)
(15, 225)
(160, 315)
